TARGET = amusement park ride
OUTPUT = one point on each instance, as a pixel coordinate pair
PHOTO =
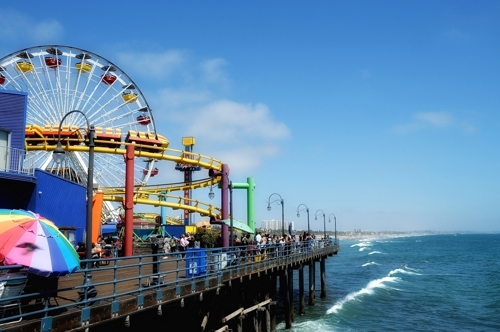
(59, 79)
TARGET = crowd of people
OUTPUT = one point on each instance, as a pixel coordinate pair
(259, 246)
(264, 245)
(103, 247)
(172, 244)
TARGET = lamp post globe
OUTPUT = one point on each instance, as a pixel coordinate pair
(58, 155)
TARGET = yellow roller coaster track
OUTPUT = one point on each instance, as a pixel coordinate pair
(145, 194)
(158, 195)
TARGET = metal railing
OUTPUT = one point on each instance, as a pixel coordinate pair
(12, 160)
(119, 277)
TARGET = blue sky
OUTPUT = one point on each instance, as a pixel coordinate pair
(384, 113)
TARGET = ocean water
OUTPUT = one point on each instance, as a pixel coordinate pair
(420, 283)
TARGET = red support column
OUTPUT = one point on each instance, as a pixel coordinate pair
(129, 200)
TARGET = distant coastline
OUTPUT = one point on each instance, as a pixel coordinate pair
(362, 234)
(358, 235)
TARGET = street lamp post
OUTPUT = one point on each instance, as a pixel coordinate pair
(282, 202)
(58, 155)
(335, 219)
(307, 210)
(211, 196)
(324, 221)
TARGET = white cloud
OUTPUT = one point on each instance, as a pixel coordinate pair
(244, 159)
(154, 65)
(440, 120)
(242, 135)
(14, 25)
(435, 119)
(213, 72)
(234, 122)
(47, 30)
(184, 97)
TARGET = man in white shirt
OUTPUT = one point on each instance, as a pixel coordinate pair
(183, 244)
(258, 238)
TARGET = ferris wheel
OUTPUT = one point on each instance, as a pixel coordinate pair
(60, 79)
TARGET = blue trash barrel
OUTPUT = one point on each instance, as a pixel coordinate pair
(196, 262)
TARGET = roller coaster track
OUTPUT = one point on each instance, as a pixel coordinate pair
(141, 151)
(156, 195)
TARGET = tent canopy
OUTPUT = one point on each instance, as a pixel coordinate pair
(237, 224)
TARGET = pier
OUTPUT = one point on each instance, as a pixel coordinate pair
(239, 289)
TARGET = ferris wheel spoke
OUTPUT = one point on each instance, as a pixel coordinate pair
(97, 110)
(82, 96)
(79, 162)
(49, 103)
(37, 115)
(12, 81)
(38, 90)
(109, 119)
(101, 113)
(38, 158)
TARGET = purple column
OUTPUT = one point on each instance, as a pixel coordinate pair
(224, 204)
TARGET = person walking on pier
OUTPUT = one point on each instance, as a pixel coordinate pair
(183, 244)
(166, 246)
(173, 244)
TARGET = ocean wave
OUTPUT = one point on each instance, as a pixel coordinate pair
(405, 270)
(362, 244)
(370, 263)
(368, 290)
(374, 252)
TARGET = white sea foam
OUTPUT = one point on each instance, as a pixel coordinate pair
(368, 290)
(370, 263)
(362, 244)
(374, 252)
(404, 270)
(308, 325)
(363, 248)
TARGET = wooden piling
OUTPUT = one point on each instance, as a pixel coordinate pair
(273, 296)
(311, 283)
(323, 280)
(285, 298)
(302, 302)
(290, 293)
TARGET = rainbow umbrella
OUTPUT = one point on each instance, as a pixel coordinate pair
(30, 240)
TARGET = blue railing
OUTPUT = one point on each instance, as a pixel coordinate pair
(119, 277)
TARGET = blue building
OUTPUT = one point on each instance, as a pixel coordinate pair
(23, 186)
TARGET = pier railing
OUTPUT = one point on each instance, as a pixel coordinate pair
(168, 276)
